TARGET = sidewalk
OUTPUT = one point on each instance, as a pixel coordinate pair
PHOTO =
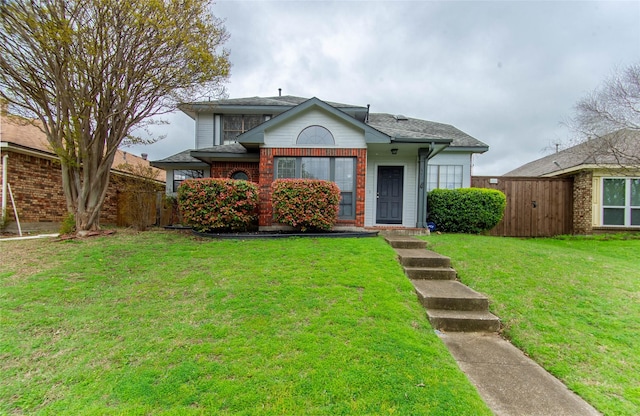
(30, 237)
(508, 381)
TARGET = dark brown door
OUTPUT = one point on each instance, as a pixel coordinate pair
(389, 205)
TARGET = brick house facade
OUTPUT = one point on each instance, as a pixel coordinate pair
(582, 203)
(226, 170)
(379, 161)
(267, 177)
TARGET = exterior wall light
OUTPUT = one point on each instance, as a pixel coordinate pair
(394, 151)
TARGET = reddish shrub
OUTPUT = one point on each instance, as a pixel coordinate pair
(218, 204)
(305, 204)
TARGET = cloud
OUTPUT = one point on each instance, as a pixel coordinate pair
(507, 73)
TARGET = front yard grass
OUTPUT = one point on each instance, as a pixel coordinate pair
(162, 323)
(572, 304)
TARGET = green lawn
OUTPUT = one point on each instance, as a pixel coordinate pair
(162, 323)
(572, 304)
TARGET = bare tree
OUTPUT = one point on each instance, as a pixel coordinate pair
(91, 71)
(608, 120)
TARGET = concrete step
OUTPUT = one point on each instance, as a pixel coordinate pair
(405, 241)
(411, 257)
(431, 273)
(463, 321)
(449, 295)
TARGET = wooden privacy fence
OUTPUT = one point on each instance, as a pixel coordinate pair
(536, 207)
(158, 212)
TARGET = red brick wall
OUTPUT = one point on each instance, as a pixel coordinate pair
(226, 169)
(36, 183)
(582, 203)
(267, 156)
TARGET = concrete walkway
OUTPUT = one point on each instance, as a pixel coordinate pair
(508, 381)
(30, 237)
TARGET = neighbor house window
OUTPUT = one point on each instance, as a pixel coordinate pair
(183, 174)
(340, 170)
(236, 124)
(444, 177)
(316, 135)
(621, 201)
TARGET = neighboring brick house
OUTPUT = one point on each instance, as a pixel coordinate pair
(606, 181)
(383, 164)
(34, 175)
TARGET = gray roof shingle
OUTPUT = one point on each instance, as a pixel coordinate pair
(182, 157)
(284, 101)
(615, 149)
(413, 128)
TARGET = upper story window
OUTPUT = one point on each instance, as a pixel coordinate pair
(316, 135)
(183, 174)
(234, 125)
(621, 201)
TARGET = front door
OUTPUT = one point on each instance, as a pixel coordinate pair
(389, 205)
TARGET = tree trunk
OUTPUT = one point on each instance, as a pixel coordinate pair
(85, 193)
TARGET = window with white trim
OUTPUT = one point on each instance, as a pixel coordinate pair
(184, 174)
(621, 202)
(341, 170)
(316, 135)
(444, 177)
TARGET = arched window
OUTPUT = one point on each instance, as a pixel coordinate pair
(316, 135)
(240, 175)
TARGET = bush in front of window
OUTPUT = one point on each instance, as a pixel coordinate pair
(305, 204)
(465, 210)
(211, 204)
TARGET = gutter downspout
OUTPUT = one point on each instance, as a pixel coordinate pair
(424, 154)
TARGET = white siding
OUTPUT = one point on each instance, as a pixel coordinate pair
(204, 130)
(410, 187)
(407, 157)
(169, 182)
(285, 135)
(217, 129)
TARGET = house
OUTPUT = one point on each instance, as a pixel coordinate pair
(606, 181)
(383, 164)
(32, 171)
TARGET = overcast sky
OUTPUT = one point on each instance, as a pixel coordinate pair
(507, 73)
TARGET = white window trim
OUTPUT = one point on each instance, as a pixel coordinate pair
(627, 203)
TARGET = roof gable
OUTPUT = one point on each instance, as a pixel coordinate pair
(256, 135)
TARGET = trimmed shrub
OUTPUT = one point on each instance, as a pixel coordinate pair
(218, 204)
(466, 210)
(305, 204)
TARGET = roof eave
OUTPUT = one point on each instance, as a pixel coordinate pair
(18, 148)
(172, 165)
(209, 157)
(469, 149)
(438, 140)
(578, 168)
